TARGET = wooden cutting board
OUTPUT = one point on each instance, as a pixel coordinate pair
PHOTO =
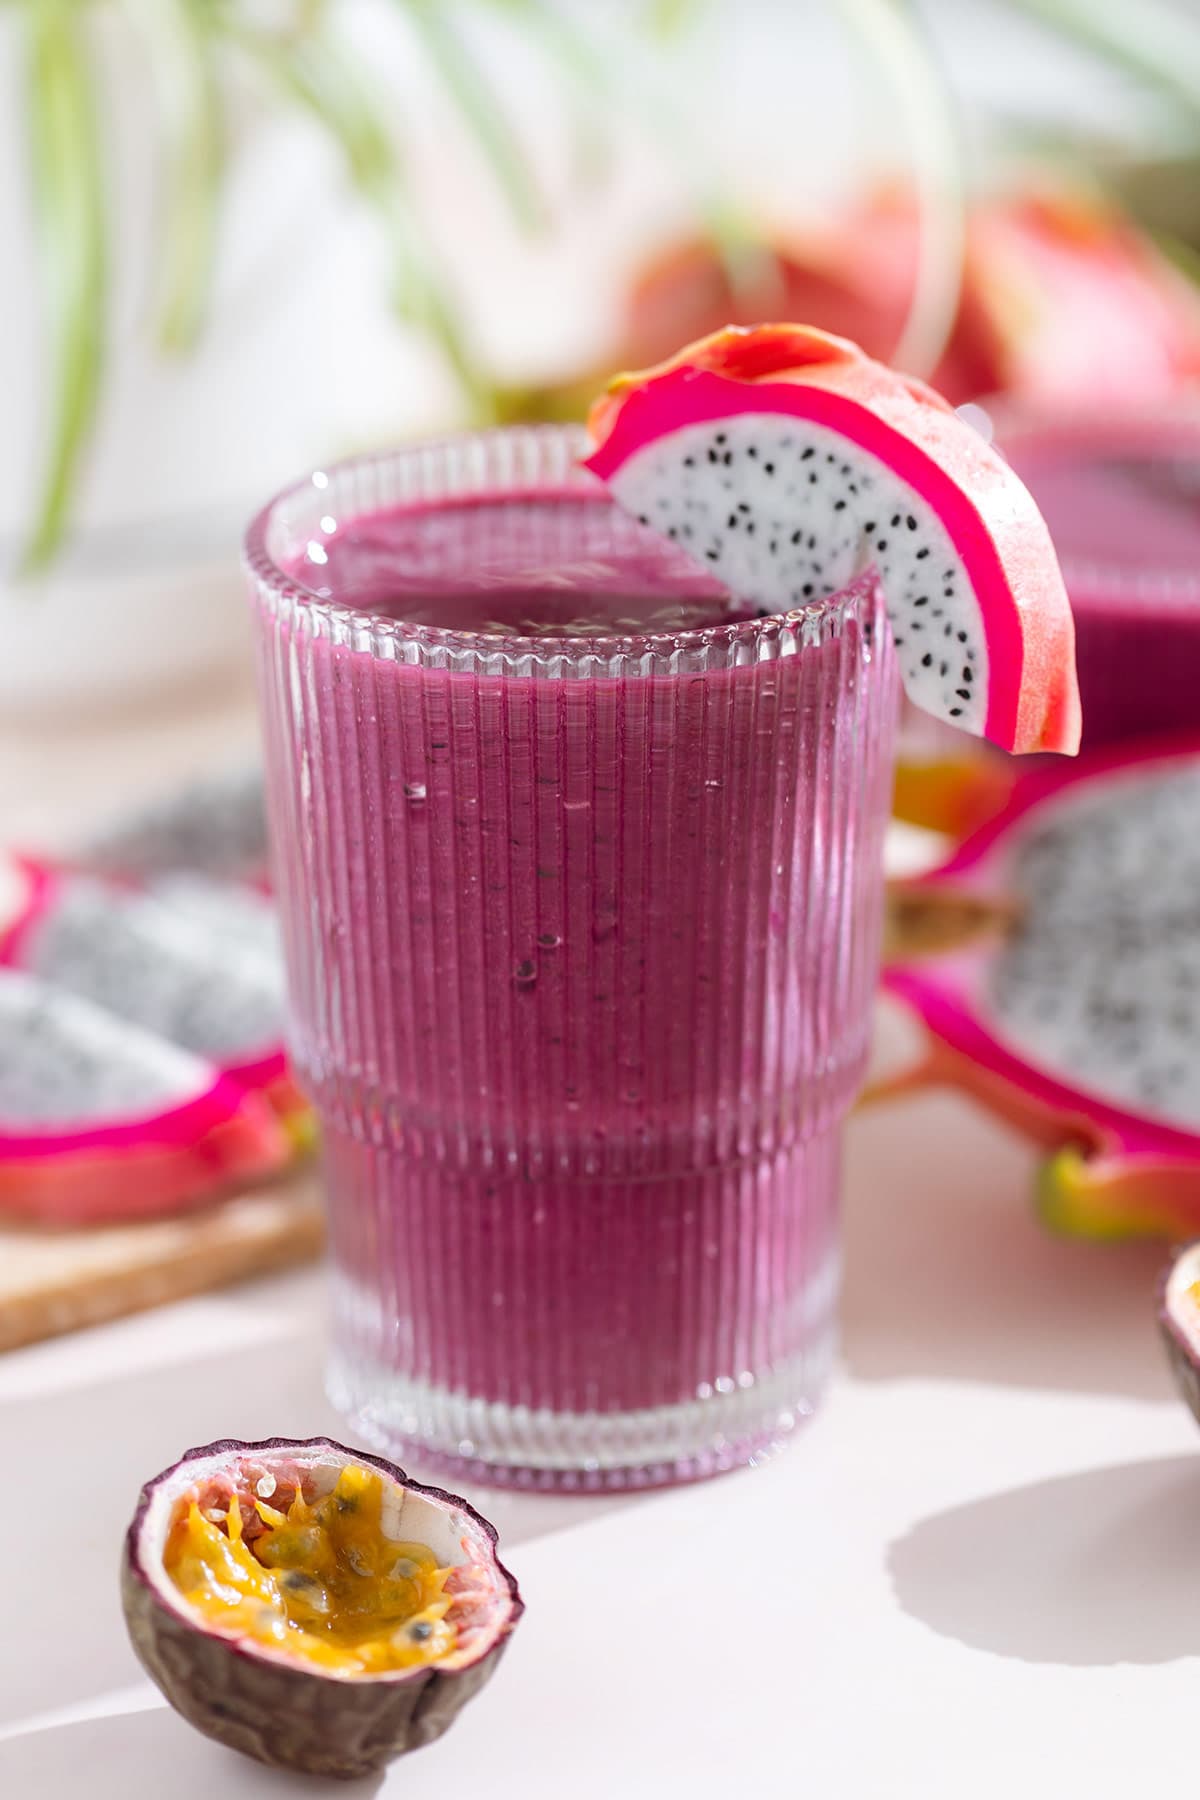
(56, 1281)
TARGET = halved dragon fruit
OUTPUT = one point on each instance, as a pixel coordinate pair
(1080, 1022)
(786, 461)
(310, 1605)
(196, 963)
(99, 1119)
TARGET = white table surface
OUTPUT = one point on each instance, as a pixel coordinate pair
(974, 1574)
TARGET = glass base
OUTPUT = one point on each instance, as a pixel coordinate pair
(586, 1453)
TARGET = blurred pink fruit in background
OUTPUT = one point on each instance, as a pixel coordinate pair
(1063, 298)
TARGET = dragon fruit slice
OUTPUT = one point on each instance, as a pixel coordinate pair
(202, 970)
(785, 460)
(99, 1119)
(1080, 1023)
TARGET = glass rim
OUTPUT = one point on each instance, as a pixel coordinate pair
(810, 621)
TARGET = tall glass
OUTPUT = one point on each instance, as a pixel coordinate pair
(581, 939)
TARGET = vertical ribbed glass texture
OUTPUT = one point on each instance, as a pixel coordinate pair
(581, 939)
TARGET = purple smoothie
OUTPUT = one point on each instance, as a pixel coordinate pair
(581, 938)
(1122, 498)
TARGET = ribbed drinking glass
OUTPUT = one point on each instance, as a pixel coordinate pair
(581, 939)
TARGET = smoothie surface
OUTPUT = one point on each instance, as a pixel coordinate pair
(559, 565)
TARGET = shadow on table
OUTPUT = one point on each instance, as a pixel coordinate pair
(147, 1753)
(85, 1452)
(950, 1275)
(1090, 1569)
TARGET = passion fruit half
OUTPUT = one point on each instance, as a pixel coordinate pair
(1179, 1321)
(310, 1605)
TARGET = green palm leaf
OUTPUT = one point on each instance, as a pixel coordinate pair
(65, 156)
(1158, 44)
(314, 73)
(185, 57)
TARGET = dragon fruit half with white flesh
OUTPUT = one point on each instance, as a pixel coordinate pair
(196, 963)
(1077, 1015)
(100, 1120)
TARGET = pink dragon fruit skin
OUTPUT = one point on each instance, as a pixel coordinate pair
(142, 1168)
(1114, 1170)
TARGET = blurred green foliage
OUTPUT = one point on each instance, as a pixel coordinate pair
(295, 57)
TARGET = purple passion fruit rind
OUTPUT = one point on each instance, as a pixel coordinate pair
(261, 1700)
(1179, 1321)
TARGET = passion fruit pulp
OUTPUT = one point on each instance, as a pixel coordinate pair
(310, 1605)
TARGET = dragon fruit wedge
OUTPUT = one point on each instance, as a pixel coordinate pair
(786, 461)
(195, 963)
(101, 1120)
(1077, 1015)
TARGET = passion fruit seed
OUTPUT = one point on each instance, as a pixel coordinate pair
(289, 1547)
(330, 1553)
